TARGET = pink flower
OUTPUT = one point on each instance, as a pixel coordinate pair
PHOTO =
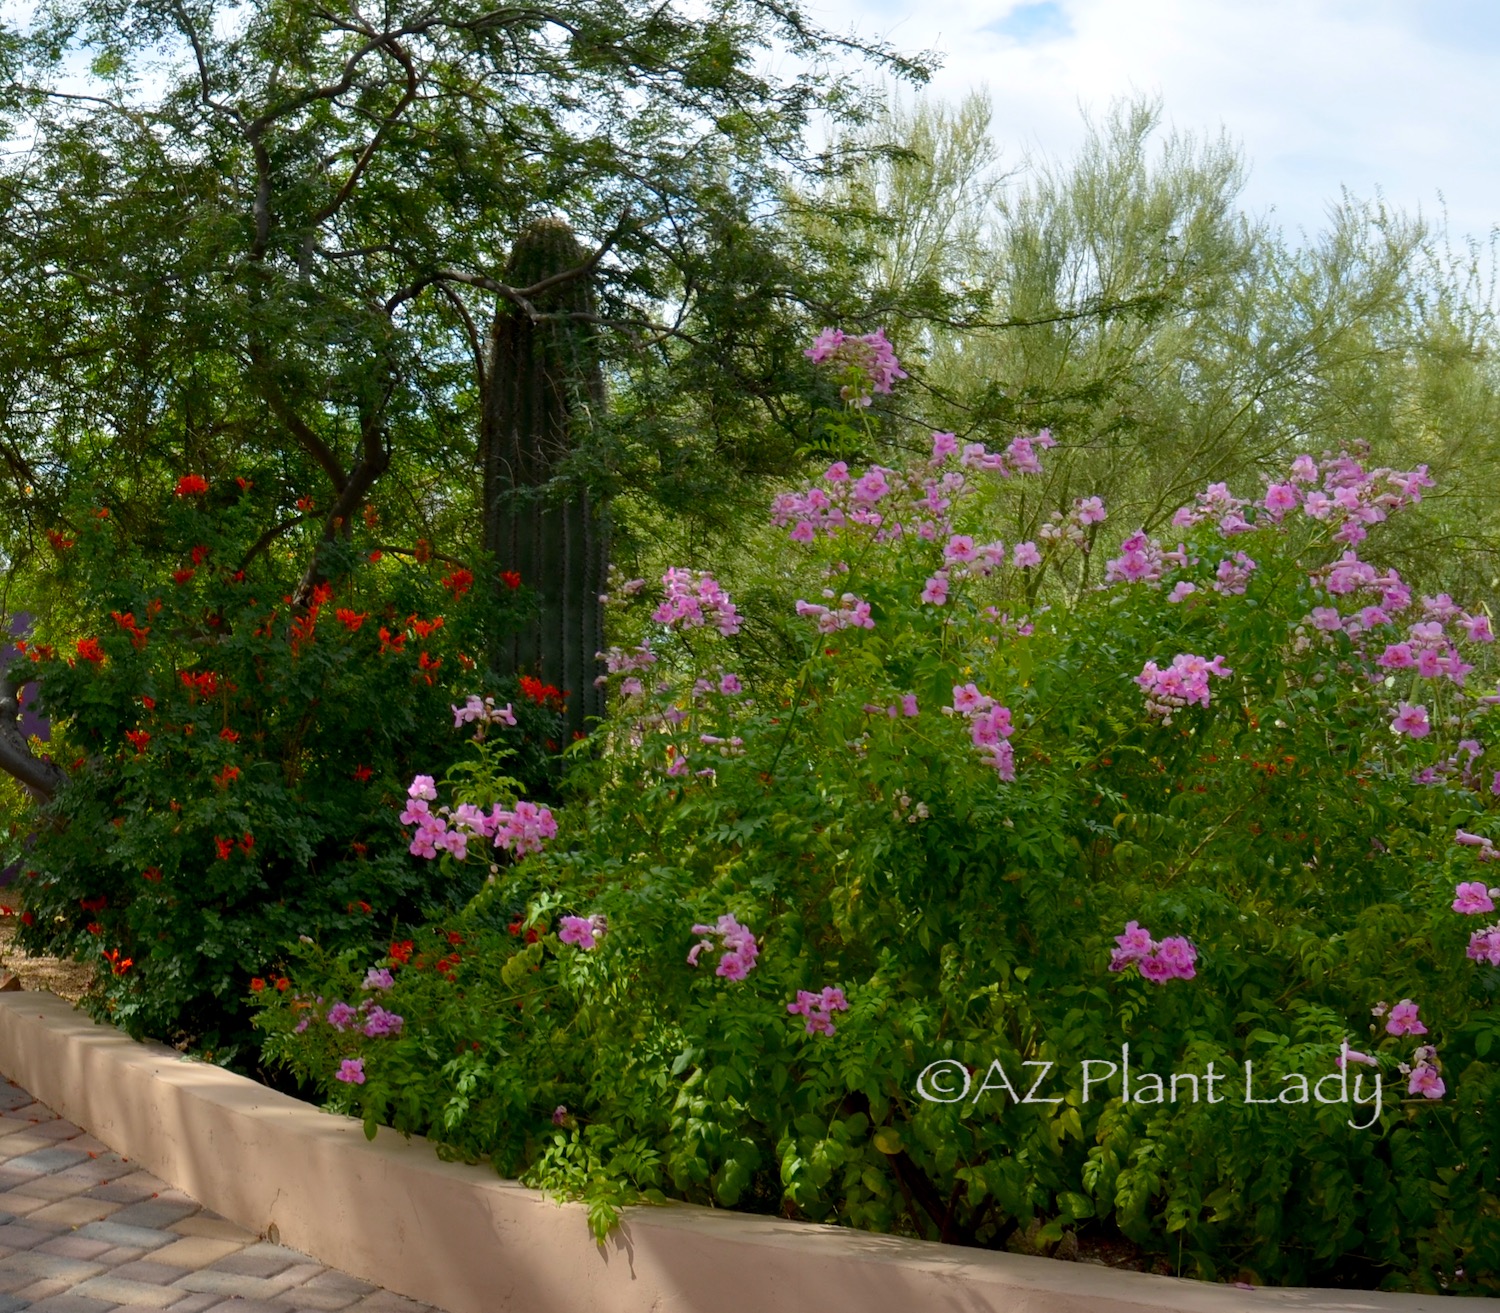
(1426, 1082)
(423, 786)
(1025, 555)
(943, 446)
(730, 685)
(1179, 956)
(1477, 628)
(1484, 945)
(340, 1015)
(1134, 944)
(379, 978)
(936, 591)
(741, 950)
(1348, 1055)
(969, 700)
(908, 704)
(1397, 656)
(1403, 1019)
(351, 1071)
(1090, 510)
(1412, 720)
(560, 1114)
(1281, 498)
(1473, 898)
(818, 1008)
(960, 549)
(581, 930)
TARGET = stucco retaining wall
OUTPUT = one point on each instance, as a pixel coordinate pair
(456, 1236)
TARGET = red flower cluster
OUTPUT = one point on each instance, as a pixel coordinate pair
(458, 583)
(117, 964)
(59, 541)
(139, 738)
(510, 579)
(351, 620)
(544, 695)
(191, 485)
(401, 951)
(205, 683)
(128, 623)
(89, 650)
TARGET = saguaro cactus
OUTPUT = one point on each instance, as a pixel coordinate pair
(545, 387)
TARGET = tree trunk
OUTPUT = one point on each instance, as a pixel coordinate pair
(545, 388)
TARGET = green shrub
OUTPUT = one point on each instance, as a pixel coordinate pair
(949, 829)
(233, 758)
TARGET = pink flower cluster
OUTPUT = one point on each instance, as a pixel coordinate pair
(1142, 560)
(852, 614)
(1234, 574)
(1184, 682)
(819, 1008)
(1350, 497)
(693, 599)
(990, 728)
(618, 661)
(476, 709)
(740, 948)
(520, 831)
(1073, 527)
(871, 354)
(1403, 1019)
(584, 931)
(1171, 959)
(1425, 1079)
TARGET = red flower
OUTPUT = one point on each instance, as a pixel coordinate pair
(282, 984)
(362, 773)
(510, 579)
(227, 776)
(102, 513)
(180, 577)
(248, 841)
(359, 849)
(375, 557)
(351, 620)
(28, 918)
(244, 484)
(95, 904)
(192, 485)
(119, 965)
(362, 905)
(152, 874)
(389, 644)
(540, 693)
(225, 847)
(458, 583)
(454, 937)
(322, 594)
(94, 928)
(238, 577)
(425, 628)
(60, 543)
(89, 650)
(200, 554)
(401, 952)
(256, 984)
(423, 552)
(532, 936)
(515, 927)
(427, 662)
(372, 517)
(229, 735)
(138, 739)
(304, 504)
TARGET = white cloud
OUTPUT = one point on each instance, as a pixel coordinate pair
(1322, 94)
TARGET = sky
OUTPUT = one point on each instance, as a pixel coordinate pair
(1402, 96)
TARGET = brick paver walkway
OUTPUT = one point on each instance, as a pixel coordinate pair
(83, 1230)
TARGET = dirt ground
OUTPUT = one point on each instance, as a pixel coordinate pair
(65, 979)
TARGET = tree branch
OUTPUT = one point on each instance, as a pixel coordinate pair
(43, 778)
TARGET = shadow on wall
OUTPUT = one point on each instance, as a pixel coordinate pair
(31, 723)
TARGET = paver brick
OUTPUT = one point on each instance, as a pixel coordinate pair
(17, 1204)
(154, 1212)
(12, 1281)
(153, 1274)
(124, 1254)
(117, 1290)
(388, 1301)
(51, 1159)
(330, 1301)
(39, 1265)
(117, 1233)
(197, 1251)
(12, 1304)
(43, 1289)
(340, 1281)
(211, 1225)
(80, 1210)
(71, 1304)
(248, 1306)
(74, 1246)
(226, 1283)
(34, 1112)
(198, 1303)
(291, 1280)
(53, 1187)
(129, 1189)
(22, 1235)
(57, 1129)
(248, 1264)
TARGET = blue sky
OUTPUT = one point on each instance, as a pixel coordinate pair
(1402, 96)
